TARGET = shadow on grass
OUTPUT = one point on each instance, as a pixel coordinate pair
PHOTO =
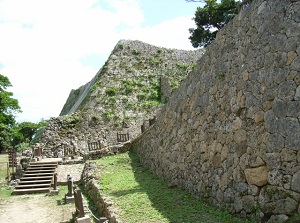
(174, 204)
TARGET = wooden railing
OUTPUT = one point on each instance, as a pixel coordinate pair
(12, 158)
(94, 145)
(122, 137)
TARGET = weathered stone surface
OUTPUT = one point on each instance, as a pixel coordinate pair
(295, 184)
(278, 218)
(257, 176)
(277, 200)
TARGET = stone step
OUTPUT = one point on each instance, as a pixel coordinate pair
(32, 186)
(36, 178)
(30, 191)
(48, 181)
(37, 174)
(43, 164)
(40, 171)
(41, 167)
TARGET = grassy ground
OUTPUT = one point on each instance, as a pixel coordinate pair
(140, 196)
(4, 190)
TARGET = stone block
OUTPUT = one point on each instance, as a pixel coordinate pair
(85, 219)
(257, 176)
(54, 192)
(70, 199)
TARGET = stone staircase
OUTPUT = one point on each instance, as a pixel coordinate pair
(37, 178)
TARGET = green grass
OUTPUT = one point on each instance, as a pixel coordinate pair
(142, 197)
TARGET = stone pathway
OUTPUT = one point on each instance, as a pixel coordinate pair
(67, 167)
(74, 170)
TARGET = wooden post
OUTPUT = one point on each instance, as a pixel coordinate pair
(79, 203)
(55, 181)
(70, 187)
(8, 172)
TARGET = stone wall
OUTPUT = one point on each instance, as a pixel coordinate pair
(129, 89)
(90, 179)
(71, 134)
(231, 132)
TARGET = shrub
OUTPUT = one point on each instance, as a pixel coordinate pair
(111, 91)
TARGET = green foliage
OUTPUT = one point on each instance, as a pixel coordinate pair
(135, 52)
(120, 46)
(24, 133)
(220, 75)
(149, 104)
(8, 107)
(182, 66)
(210, 19)
(107, 115)
(142, 96)
(111, 91)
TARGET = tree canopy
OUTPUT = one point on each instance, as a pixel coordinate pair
(8, 105)
(210, 19)
(13, 134)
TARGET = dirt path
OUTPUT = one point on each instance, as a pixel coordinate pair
(38, 208)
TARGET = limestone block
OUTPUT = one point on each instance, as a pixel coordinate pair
(297, 95)
(240, 136)
(275, 177)
(288, 155)
(295, 184)
(238, 175)
(275, 143)
(248, 203)
(236, 124)
(259, 116)
(290, 57)
(245, 75)
(287, 90)
(277, 200)
(224, 153)
(293, 108)
(297, 78)
(257, 176)
(278, 218)
(256, 162)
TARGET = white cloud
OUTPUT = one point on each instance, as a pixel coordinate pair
(43, 44)
(171, 34)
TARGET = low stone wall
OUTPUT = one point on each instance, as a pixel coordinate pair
(90, 179)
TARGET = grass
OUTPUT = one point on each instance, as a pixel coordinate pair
(141, 196)
(4, 190)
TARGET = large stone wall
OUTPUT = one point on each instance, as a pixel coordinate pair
(231, 132)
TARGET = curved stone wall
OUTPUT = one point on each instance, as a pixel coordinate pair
(231, 132)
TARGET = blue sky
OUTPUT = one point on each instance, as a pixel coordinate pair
(48, 47)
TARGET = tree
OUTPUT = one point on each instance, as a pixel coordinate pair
(210, 19)
(8, 107)
(25, 131)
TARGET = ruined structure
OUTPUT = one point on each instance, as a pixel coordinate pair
(136, 80)
(231, 132)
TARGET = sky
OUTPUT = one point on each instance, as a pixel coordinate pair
(49, 47)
